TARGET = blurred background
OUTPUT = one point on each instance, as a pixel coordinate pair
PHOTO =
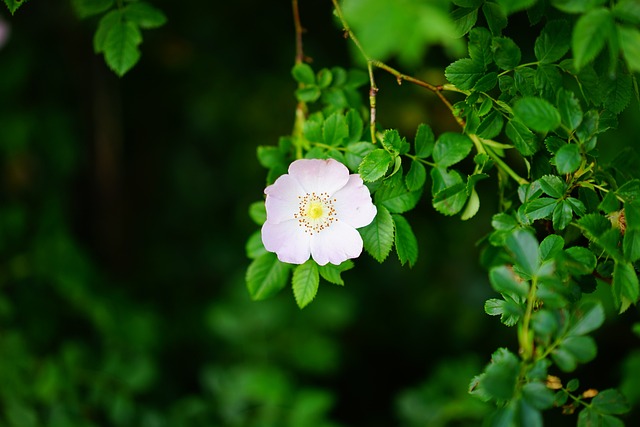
(123, 220)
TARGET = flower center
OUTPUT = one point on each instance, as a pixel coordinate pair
(315, 212)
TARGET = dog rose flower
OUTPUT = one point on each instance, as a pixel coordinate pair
(314, 211)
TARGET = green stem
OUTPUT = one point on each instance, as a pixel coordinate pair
(483, 148)
(525, 337)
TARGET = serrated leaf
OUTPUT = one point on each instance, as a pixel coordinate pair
(629, 39)
(579, 261)
(589, 35)
(480, 46)
(463, 20)
(496, 17)
(506, 53)
(374, 165)
(588, 317)
(619, 91)
(13, 5)
(538, 395)
(553, 186)
(303, 73)
(524, 247)
(335, 129)
(540, 208)
(449, 191)
(553, 42)
(451, 148)
(254, 246)
(547, 81)
(550, 247)
(512, 6)
(472, 207)
(424, 141)
(629, 191)
(406, 242)
(610, 402)
(355, 152)
(355, 125)
(121, 47)
(305, 283)
(266, 276)
(562, 215)
(394, 195)
(106, 23)
(568, 159)
(378, 237)
(464, 73)
(537, 114)
(332, 273)
(627, 10)
(144, 15)
(631, 245)
(501, 374)
(416, 176)
(491, 126)
(625, 289)
(505, 281)
(523, 139)
(392, 141)
(86, 8)
(569, 109)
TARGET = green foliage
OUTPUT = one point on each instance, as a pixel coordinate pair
(13, 5)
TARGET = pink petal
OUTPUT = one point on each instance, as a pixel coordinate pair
(336, 244)
(320, 176)
(288, 240)
(353, 203)
(282, 198)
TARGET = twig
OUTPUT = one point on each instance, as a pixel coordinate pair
(299, 30)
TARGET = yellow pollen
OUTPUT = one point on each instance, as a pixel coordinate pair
(315, 212)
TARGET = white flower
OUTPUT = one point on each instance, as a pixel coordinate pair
(314, 211)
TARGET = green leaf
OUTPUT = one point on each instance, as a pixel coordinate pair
(627, 10)
(303, 73)
(305, 283)
(553, 186)
(480, 46)
(582, 348)
(538, 395)
(378, 236)
(394, 195)
(424, 141)
(504, 281)
(335, 129)
(610, 402)
(308, 94)
(626, 289)
(629, 191)
(629, 39)
(524, 247)
(618, 93)
(270, 157)
(500, 376)
(464, 73)
(406, 242)
(254, 247)
(569, 109)
(106, 23)
(568, 159)
(496, 17)
(550, 247)
(86, 8)
(266, 276)
(144, 15)
(392, 142)
(506, 53)
(121, 47)
(632, 215)
(631, 245)
(523, 139)
(553, 42)
(258, 212)
(564, 359)
(579, 261)
(332, 273)
(416, 176)
(472, 207)
(491, 126)
(576, 6)
(449, 191)
(356, 152)
(451, 148)
(486, 83)
(374, 165)
(589, 35)
(587, 318)
(354, 123)
(547, 81)
(324, 78)
(13, 5)
(463, 20)
(540, 208)
(537, 114)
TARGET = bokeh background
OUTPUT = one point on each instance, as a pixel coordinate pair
(123, 219)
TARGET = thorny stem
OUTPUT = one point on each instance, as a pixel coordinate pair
(299, 30)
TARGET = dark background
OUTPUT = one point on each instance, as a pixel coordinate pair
(122, 229)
